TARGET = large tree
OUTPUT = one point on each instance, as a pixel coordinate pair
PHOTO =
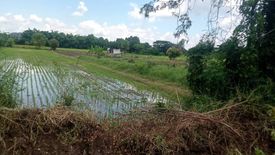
(162, 46)
(39, 40)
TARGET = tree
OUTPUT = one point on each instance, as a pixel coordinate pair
(173, 53)
(39, 40)
(10, 42)
(196, 67)
(162, 46)
(249, 53)
(267, 40)
(133, 42)
(122, 44)
(26, 37)
(3, 39)
(53, 43)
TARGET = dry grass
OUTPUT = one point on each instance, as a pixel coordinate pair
(62, 131)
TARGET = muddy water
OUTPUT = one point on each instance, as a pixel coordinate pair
(44, 86)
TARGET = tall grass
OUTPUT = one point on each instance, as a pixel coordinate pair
(152, 69)
(7, 89)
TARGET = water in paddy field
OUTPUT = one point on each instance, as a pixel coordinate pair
(38, 86)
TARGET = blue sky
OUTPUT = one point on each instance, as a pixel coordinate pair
(104, 18)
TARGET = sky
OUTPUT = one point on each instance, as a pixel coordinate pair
(110, 19)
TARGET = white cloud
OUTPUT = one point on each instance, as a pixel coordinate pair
(117, 31)
(19, 18)
(193, 41)
(135, 12)
(35, 18)
(3, 19)
(81, 9)
(109, 31)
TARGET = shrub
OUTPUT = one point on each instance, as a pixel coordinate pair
(196, 66)
(7, 89)
(53, 43)
(173, 53)
(98, 51)
(10, 42)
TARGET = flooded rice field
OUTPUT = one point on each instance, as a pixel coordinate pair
(44, 86)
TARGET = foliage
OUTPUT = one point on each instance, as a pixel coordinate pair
(162, 46)
(173, 53)
(7, 89)
(152, 67)
(39, 39)
(258, 151)
(10, 42)
(120, 44)
(53, 43)
(3, 39)
(196, 65)
(243, 63)
(131, 44)
(67, 100)
(98, 51)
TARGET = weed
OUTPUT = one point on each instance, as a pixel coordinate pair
(68, 100)
(160, 106)
(7, 89)
(258, 151)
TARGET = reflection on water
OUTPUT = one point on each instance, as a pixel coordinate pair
(44, 86)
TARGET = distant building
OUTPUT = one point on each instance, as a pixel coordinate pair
(114, 52)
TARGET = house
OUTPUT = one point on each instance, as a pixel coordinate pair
(114, 52)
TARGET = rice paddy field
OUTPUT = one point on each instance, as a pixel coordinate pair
(43, 79)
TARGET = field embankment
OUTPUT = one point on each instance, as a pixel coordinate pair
(62, 131)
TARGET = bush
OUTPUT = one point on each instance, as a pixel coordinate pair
(10, 42)
(214, 77)
(173, 53)
(98, 51)
(7, 89)
(196, 65)
(53, 43)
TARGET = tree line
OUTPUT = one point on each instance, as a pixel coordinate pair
(130, 44)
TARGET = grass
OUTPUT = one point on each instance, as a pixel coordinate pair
(154, 67)
(150, 67)
(59, 130)
(154, 73)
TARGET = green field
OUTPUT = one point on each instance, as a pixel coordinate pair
(45, 77)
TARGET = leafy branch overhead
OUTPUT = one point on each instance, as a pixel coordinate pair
(181, 10)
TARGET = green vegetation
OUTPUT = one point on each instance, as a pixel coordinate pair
(39, 40)
(152, 67)
(53, 43)
(173, 53)
(7, 89)
(230, 110)
(10, 42)
(130, 44)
